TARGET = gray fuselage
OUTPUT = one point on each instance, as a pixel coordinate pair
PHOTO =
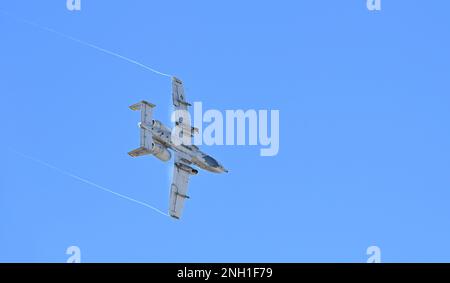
(189, 153)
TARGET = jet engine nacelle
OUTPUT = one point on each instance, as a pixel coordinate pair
(158, 125)
(160, 152)
(187, 168)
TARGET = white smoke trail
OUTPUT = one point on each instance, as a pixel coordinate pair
(50, 30)
(87, 181)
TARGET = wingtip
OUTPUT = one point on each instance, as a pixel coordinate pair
(174, 217)
(177, 80)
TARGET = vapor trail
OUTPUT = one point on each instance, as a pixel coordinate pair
(87, 181)
(50, 30)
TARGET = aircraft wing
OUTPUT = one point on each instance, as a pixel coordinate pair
(179, 187)
(180, 103)
(178, 96)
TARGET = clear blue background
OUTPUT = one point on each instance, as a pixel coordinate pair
(364, 99)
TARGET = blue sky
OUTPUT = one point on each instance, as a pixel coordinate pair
(364, 131)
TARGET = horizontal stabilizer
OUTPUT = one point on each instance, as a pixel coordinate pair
(140, 152)
(138, 106)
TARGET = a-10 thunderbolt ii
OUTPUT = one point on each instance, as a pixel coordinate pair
(156, 139)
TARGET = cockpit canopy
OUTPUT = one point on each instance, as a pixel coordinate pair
(211, 161)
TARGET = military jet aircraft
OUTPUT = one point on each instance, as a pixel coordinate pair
(156, 139)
